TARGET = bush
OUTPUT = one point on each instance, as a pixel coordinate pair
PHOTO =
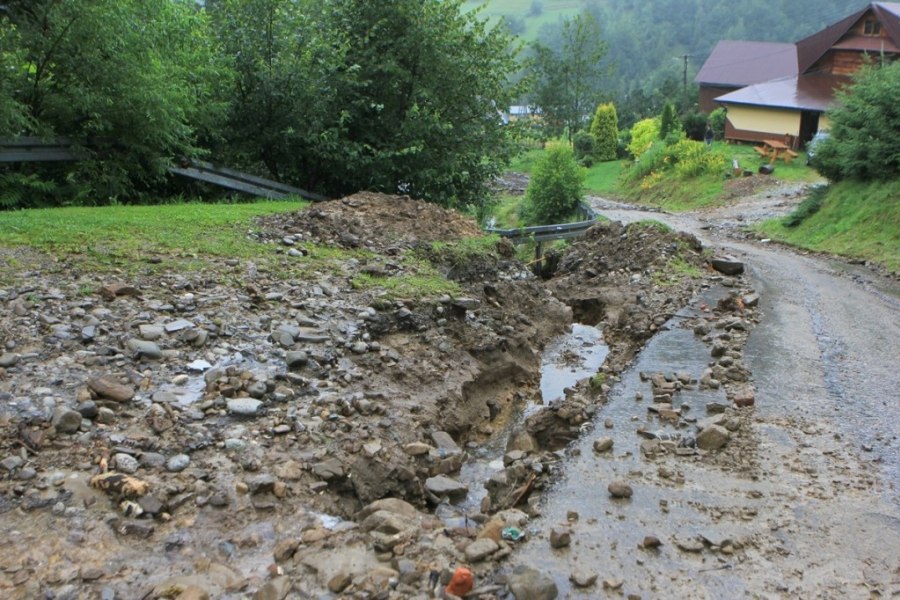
(555, 188)
(808, 207)
(686, 158)
(643, 134)
(717, 122)
(605, 129)
(694, 124)
(864, 144)
(668, 121)
(585, 146)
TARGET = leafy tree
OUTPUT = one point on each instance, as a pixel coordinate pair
(605, 129)
(864, 144)
(585, 147)
(129, 82)
(568, 73)
(555, 187)
(386, 96)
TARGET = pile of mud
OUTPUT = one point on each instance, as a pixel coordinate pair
(377, 222)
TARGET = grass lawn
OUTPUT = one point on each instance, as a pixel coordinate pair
(860, 220)
(125, 236)
(603, 178)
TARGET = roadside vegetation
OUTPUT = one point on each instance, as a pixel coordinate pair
(858, 213)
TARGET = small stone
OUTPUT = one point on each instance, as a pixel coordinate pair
(107, 387)
(126, 463)
(198, 365)
(144, 349)
(8, 360)
(689, 544)
(727, 265)
(246, 407)
(751, 300)
(11, 463)
(66, 420)
(257, 389)
(178, 463)
(612, 584)
(340, 582)
(481, 549)
(87, 409)
(608, 423)
(620, 489)
(296, 358)
(105, 416)
(650, 542)
(285, 549)
(275, 589)
(417, 448)
(560, 538)
(151, 332)
(712, 437)
(527, 583)
(444, 486)
(581, 579)
(178, 325)
(193, 592)
(603, 444)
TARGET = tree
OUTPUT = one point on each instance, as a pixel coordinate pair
(605, 129)
(864, 144)
(668, 121)
(129, 82)
(398, 96)
(567, 72)
(555, 187)
(643, 134)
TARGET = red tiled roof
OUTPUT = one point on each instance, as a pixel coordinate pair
(804, 92)
(738, 63)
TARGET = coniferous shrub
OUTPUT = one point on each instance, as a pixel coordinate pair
(864, 144)
(605, 129)
(668, 121)
(555, 188)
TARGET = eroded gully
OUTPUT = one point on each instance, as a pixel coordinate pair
(817, 513)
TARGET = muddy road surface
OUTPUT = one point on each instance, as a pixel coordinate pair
(809, 505)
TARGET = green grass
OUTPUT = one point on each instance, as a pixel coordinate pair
(420, 279)
(553, 10)
(858, 220)
(131, 232)
(506, 211)
(603, 178)
(524, 161)
(748, 159)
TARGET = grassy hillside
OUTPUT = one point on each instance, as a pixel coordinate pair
(858, 220)
(551, 12)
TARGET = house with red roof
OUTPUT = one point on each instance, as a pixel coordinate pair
(785, 90)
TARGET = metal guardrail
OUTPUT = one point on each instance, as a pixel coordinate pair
(35, 149)
(546, 233)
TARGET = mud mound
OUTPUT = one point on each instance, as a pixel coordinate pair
(376, 222)
(611, 247)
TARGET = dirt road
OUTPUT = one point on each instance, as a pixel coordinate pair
(811, 506)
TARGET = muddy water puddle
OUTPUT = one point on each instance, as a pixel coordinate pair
(569, 359)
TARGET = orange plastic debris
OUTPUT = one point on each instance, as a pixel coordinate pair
(461, 583)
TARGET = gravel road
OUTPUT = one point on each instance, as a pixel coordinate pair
(818, 514)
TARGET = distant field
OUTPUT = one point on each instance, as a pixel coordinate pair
(552, 11)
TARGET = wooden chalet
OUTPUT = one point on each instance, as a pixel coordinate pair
(784, 90)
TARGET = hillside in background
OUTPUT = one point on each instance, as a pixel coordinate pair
(648, 39)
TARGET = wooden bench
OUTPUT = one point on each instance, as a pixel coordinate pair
(761, 151)
(789, 155)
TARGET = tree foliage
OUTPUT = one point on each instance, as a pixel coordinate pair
(643, 134)
(567, 72)
(864, 144)
(605, 129)
(555, 187)
(131, 83)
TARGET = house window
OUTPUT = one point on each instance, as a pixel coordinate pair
(872, 27)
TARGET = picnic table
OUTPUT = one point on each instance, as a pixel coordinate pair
(775, 149)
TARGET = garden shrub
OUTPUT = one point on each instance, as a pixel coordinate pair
(605, 129)
(643, 134)
(555, 188)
